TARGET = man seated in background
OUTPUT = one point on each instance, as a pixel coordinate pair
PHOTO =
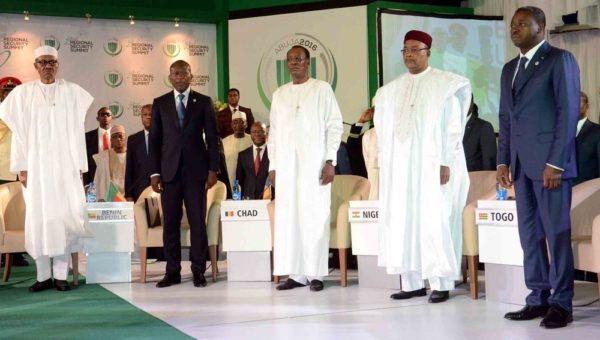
(232, 145)
(97, 140)
(109, 178)
(588, 145)
(370, 152)
(137, 172)
(479, 142)
(253, 164)
(224, 117)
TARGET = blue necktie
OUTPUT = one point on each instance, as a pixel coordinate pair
(181, 109)
(520, 77)
(146, 137)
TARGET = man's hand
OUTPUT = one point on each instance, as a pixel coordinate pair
(156, 184)
(503, 176)
(366, 116)
(272, 177)
(211, 179)
(552, 177)
(23, 178)
(327, 174)
(444, 174)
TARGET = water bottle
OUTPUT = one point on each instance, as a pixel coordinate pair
(501, 193)
(237, 191)
(91, 193)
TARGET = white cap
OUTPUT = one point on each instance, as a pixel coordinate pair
(45, 50)
(239, 114)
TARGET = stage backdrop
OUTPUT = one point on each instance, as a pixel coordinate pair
(123, 66)
(336, 39)
(473, 47)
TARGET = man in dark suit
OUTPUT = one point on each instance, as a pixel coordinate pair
(183, 167)
(479, 142)
(224, 117)
(137, 171)
(253, 164)
(539, 107)
(97, 140)
(588, 145)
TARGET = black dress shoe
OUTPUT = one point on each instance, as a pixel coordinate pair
(199, 280)
(62, 285)
(289, 284)
(527, 313)
(168, 281)
(39, 286)
(438, 296)
(556, 317)
(316, 285)
(402, 295)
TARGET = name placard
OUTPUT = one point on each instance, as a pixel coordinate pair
(245, 210)
(363, 211)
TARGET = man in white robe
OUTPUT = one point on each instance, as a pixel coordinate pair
(46, 117)
(305, 133)
(423, 182)
(234, 144)
(110, 164)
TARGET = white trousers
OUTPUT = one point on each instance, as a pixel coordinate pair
(305, 279)
(59, 267)
(413, 281)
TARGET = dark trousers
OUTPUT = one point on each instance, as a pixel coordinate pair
(545, 225)
(191, 192)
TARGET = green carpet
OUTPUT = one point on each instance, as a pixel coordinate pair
(86, 312)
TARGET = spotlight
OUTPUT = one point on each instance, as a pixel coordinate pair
(131, 21)
(26, 15)
(89, 17)
(176, 22)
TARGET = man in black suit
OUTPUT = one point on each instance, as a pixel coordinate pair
(183, 167)
(224, 117)
(137, 171)
(588, 145)
(96, 140)
(253, 164)
(479, 142)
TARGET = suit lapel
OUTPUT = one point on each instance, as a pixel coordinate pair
(264, 161)
(584, 129)
(534, 65)
(172, 108)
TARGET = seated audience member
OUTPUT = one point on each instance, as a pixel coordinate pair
(137, 172)
(253, 164)
(97, 140)
(232, 145)
(110, 166)
(355, 140)
(588, 145)
(479, 142)
(224, 116)
(222, 174)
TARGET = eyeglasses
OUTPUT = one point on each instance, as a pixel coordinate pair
(105, 114)
(295, 59)
(413, 50)
(44, 63)
(520, 25)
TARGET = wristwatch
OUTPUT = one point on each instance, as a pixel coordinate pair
(332, 162)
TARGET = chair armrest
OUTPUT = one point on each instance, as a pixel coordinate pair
(596, 243)
(141, 223)
(470, 231)
(213, 223)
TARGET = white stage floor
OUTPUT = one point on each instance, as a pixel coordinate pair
(255, 310)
